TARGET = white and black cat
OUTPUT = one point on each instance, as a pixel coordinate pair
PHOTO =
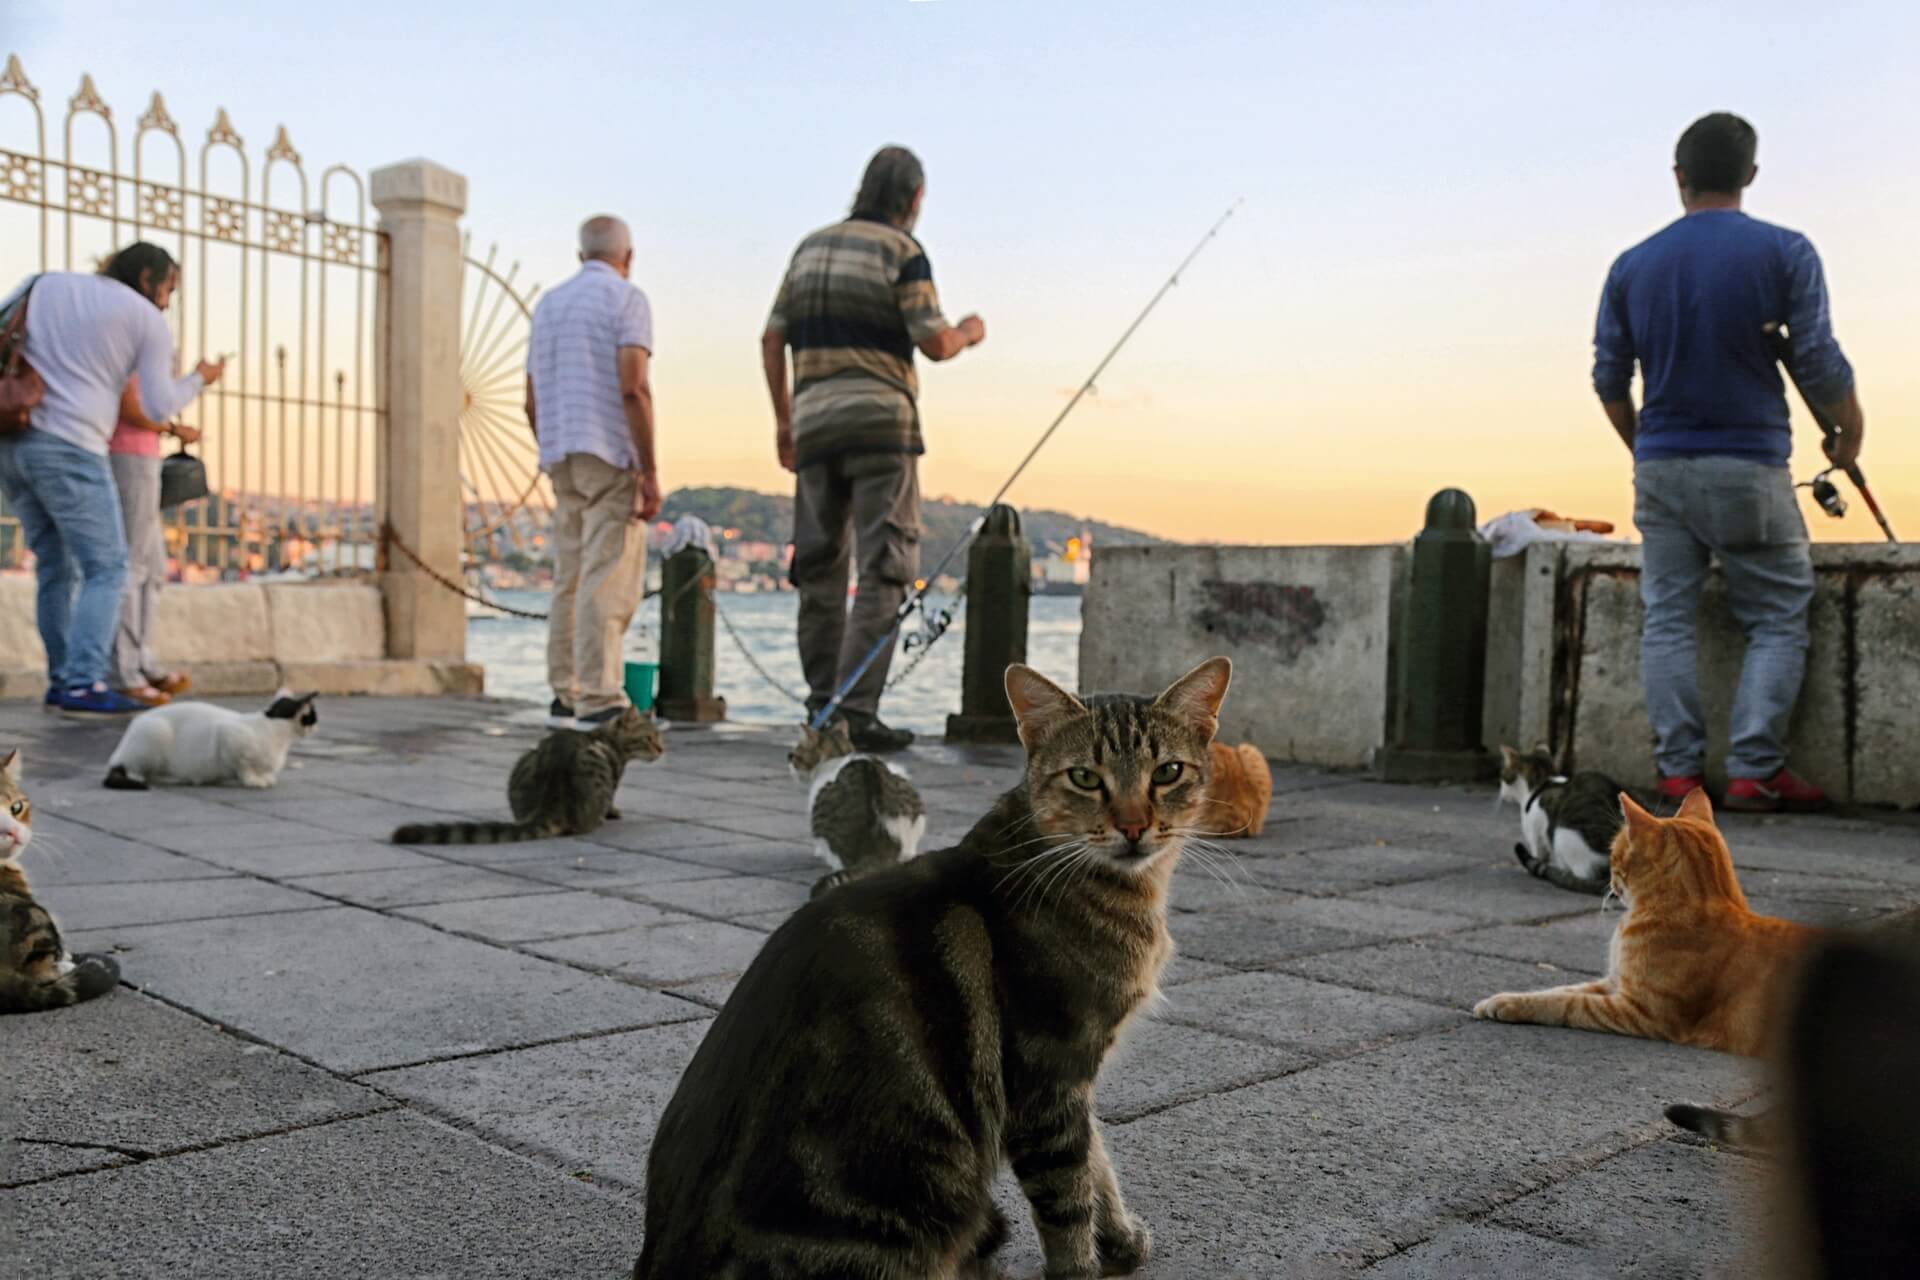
(864, 812)
(201, 744)
(1567, 825)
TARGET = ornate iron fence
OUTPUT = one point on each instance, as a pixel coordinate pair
(279, 269)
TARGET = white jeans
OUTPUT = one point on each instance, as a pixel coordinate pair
(138, 479)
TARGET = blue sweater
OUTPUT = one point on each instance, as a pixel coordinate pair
(1690, 303)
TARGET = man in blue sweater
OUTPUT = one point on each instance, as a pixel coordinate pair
(1693, 305)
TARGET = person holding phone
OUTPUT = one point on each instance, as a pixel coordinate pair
(87, 335)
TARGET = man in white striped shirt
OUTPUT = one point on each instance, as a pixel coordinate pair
(86, 335)
(590, 404)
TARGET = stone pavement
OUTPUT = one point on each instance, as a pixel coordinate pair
(339, 1057)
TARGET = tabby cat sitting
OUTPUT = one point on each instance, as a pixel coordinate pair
(901, 1038)
(564, 786)
(1688, 962)
(863, 811)
(35, 970)
(1567, 825)
(1239, 789)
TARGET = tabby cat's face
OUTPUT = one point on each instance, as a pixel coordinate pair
(817, 746)
(16, 811)
(634, 735)
(1125, 775)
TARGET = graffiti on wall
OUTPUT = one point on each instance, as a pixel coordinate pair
(1282, 619)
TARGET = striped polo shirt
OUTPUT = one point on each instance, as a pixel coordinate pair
(573, 358)
(857, 297)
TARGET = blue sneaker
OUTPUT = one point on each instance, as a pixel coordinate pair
(97, 700)
(52, 701)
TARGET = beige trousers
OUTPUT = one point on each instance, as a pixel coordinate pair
(599, 575)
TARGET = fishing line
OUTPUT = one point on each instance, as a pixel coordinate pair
(937, 624)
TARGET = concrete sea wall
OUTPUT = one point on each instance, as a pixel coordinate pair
(252, 638)
(1311, 631)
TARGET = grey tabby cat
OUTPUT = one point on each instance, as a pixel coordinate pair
(35, 970)
(864, 812)
(1567, 825)
(564, 786)
(900, 1039)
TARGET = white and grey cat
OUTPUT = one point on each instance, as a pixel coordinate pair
(205, 745)
(863, 811)
(1567, 825)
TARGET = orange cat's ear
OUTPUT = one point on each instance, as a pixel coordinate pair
(1037, 702)
(1697, 806)
(1197, 695)
(10, 765)
(1640, 823)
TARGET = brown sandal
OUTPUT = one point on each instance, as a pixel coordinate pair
(174, 683)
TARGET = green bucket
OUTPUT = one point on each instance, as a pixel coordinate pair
(640, 678)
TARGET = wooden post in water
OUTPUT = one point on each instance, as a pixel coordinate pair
(999, 583)
(686, 639)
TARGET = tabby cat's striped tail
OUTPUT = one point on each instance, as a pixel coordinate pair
(91, 976)
(476, 832)
(1727, 1128)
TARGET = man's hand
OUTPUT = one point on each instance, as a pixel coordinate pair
(975, 330)
(646, 497)
(184, 433)
(1842, 450)
(210, 372)
(783, 443)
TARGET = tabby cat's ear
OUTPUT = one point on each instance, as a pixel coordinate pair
(1508, 755)
(1640, 823)
(1697, 806)
(1037, 702)
(1197, 695)
(10, 765)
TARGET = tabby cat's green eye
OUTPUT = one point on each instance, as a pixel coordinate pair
(1168, 774)
(1085, 779)
(19, 807)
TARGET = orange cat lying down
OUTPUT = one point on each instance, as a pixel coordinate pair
(1239, 786)
(1688, 962)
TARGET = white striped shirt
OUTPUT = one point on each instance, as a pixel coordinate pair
(86, 335)
(574, 361)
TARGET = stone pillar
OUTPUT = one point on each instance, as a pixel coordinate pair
(999, 582)
(418, 341)
(1443, 651)
(686, 639)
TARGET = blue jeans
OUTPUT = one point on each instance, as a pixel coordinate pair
(69, 512)
(1744, 513)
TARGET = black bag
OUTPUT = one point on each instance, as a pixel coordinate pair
(183, 478)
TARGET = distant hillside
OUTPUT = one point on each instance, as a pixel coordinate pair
(768, 517)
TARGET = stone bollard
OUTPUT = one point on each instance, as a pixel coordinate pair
(1443, 652)
(686, 639)
(999, 583)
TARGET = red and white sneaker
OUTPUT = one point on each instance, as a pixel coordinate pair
(1678, 789)
(1784, 790)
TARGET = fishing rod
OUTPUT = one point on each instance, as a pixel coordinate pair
(1823, 490)
(936, 627)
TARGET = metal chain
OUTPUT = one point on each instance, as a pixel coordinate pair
(922, 644)
(479, 599)
(747, 653)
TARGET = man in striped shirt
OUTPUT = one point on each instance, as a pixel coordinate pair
(857, 300)
(590, 404)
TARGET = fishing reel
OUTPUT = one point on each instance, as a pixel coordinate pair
(1826, 493)
(933, 625)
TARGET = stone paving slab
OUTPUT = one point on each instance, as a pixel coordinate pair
(113, 906)
(585, 1104)
(1160, 1064)
(1666, 1208)
(664, 954)
(607, 869)
(724, 896)
(355, 990)
(124, 1076)
(552, 913)
(1575, 943)
(417, 886)
(1354, 1159)
(1500, 891)
(394, 1195)
(1314, 1018)
(1243, 940)
(63, 854)
(327, 852)
(1429, 971)
(1479, 1252)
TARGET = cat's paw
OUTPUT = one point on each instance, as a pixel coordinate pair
(1520, 852)
(1498, 1008)
(1124, 1246)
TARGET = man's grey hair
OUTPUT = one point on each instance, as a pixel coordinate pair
(605, 236)
(892, 179)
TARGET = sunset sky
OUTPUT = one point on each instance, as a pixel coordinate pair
(1405, 301)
